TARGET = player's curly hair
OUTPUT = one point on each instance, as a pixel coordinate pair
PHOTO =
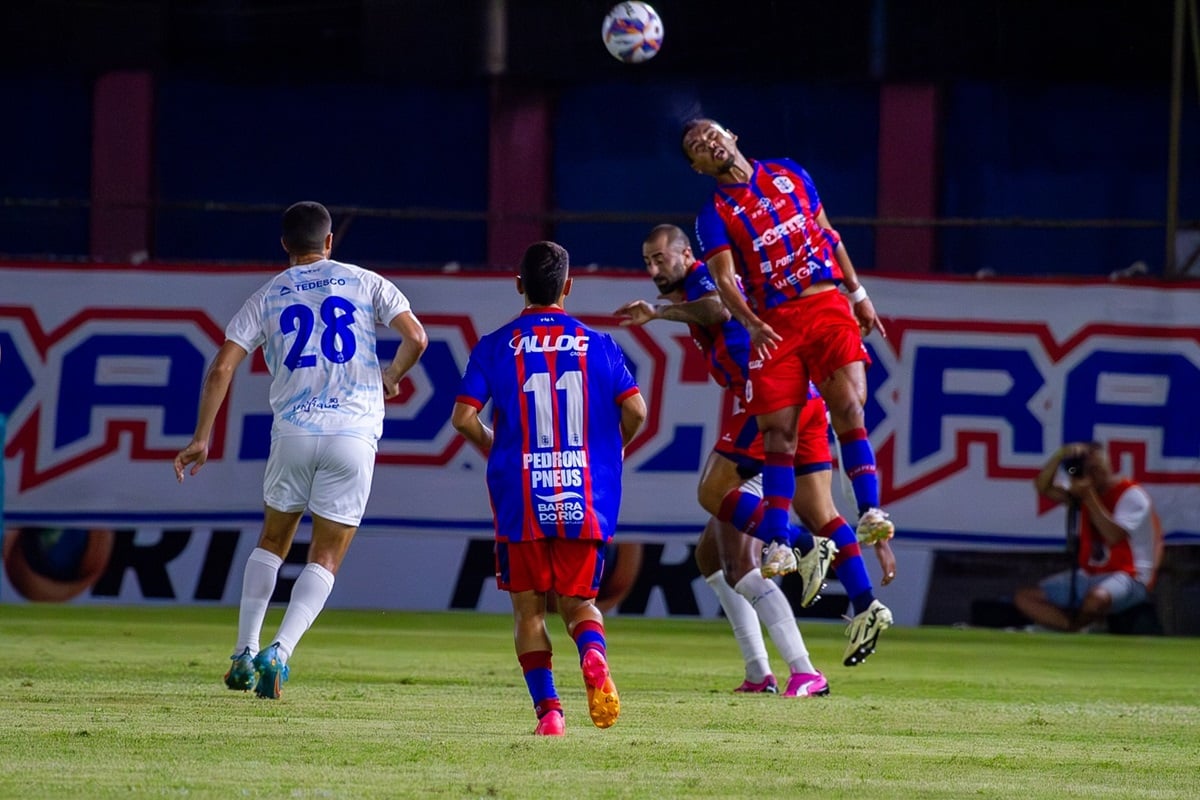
(305, 226)
(544, 272)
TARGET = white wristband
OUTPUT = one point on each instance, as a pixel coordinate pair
(858, 295)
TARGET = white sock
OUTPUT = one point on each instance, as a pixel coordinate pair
(258, 584)
(745, 625)
(776, 615)
(309, 594)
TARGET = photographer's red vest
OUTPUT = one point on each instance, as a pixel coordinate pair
(1097, 556)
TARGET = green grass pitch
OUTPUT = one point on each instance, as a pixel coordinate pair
(103, 702)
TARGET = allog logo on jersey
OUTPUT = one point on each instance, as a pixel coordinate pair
(549, 343)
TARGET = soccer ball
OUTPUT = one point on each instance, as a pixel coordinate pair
(632, 32)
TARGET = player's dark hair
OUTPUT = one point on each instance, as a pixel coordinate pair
(305, 226)
(677, 238)
(544, 272)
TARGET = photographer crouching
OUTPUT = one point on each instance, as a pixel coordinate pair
(1110, 533)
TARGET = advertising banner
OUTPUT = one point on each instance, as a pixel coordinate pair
(975, 385)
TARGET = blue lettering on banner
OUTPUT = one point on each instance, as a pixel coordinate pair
(15, 380)
(80, 393)
(1126, 385)
(256, 437)
(984, 397)
(96, 388)
(444, 374)
(1174, 415)
(683, 453)
(877, 374)
(933, 404)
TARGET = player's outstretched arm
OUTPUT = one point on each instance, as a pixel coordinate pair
(635, 312)
(212, 395)
(706, 310)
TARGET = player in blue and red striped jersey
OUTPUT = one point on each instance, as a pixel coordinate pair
(737, 457)
(565, 405)
(765, 225)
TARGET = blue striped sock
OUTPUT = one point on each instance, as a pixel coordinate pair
(858, 461)
(743, 511)
(589, 635)
(539, 679)
(849, 565)
(779, 485)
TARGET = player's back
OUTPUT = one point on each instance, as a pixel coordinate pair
(316, 324)
(556, 385)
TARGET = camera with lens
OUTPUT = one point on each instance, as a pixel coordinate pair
(1073, 465)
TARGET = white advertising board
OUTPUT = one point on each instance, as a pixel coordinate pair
(976, 383)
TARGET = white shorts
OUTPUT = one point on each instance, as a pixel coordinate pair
(328, 475)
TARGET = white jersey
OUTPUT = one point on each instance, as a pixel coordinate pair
(316, 325)
(1133, 513)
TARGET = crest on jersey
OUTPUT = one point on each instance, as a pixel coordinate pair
(783, 183)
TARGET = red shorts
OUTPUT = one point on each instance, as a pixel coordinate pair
(569, 567)
(738, 438)
(820, 336)
(812, 439)
(741, 443)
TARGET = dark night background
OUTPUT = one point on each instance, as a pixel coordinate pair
(1050, 111)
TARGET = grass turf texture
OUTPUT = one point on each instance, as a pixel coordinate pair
(118, 702)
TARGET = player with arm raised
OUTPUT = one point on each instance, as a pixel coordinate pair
(738, 456)
(764, 232)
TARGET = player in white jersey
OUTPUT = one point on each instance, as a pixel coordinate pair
(316, 324)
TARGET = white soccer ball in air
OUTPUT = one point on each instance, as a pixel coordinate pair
(633, 32)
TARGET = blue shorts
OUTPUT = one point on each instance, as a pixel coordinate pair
(1125, 590)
